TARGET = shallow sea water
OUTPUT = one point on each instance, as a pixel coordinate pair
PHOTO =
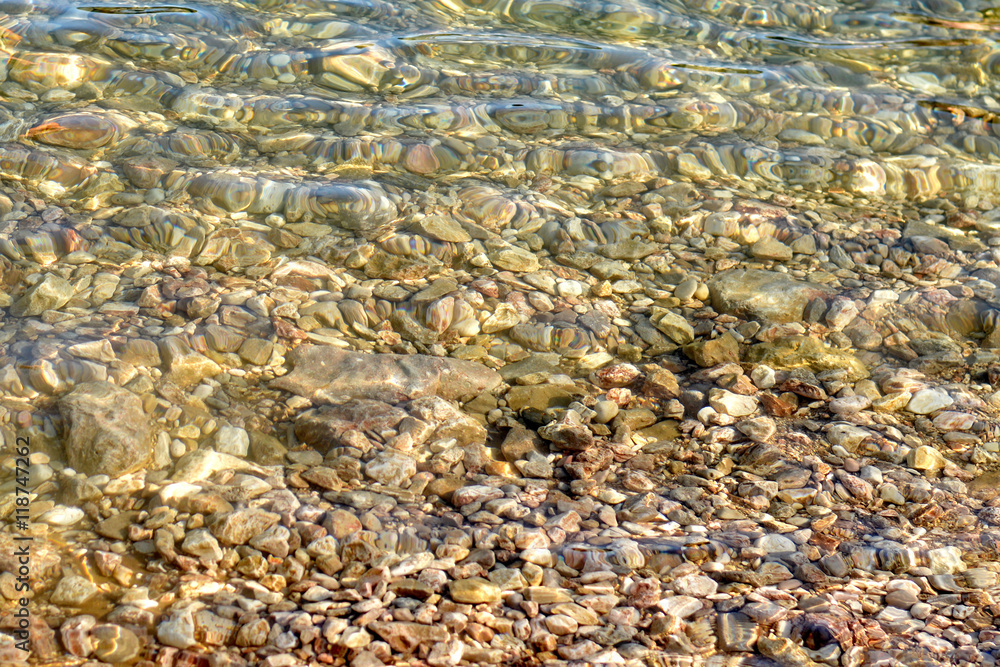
(561, 127)
(872, 101)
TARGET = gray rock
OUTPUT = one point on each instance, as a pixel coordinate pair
(178, 631)
(266, 449)
(763, 376)
(761, 429)
(695, 585)
(890, 494)
(630, 249)
(835, 565)
(203, 463)
(74, 591)
(323, 374)
(929, 400)
(955, 238)
(362, 500)
(536, 465)
(775, 543)
(605, 411)
(842, 312)
(847, 436)
(946, 560)
(568, 433)
(849, 405)
(107, 431)
(202, 544)
(904, 599)
(728, 403)
(450, 420)
(232, 440)
(274, 540)
(762, 295)
(519, 443)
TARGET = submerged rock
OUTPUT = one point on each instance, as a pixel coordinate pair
(50, 293)
(107, 431)
(325, 374)
(767, 296)
(806, 352)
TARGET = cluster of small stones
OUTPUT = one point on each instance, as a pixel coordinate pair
(333, 365)
(752, 468)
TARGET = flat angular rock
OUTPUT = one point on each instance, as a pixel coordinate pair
(323, 477)
(326, 427)
(775, 543)
(74, 591)
(203, 463)
(323, 374)
(956, 239)
(239, 527)
(708, 353)
(107, 431)
(806, 352)
(695, 585)
(474, 590)
(232, 440)
(519, 443)
(735, 405)
(361, 500)
(767, 296)
(568, 433)
(925, 457)
(542, 396)
(185, 367)
(391, 467)
(771, 248)
(475, 494)
(630, 249)
(450, 420)
(405, 637)
(673, 325)
(512, 258)
(929, 400)
(49, 293)
(442, 228)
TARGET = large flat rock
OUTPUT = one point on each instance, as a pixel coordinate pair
(327, 374)
(107, 431)
(806, 352)
(768, 296)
